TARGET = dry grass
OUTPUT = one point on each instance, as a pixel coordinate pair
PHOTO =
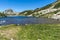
(9, 32)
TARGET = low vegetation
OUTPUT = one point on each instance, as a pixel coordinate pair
(26, 12)
(49, 15)
(57, 5)
(30, 32)
(2, 15)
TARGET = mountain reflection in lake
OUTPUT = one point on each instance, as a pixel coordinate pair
(26, 20)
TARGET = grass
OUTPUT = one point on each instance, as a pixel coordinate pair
(30, 32)
(48, 15)
(57, 5)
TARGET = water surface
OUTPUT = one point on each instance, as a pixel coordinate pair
(26, 20)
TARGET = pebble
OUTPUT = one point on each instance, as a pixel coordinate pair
(12, 39)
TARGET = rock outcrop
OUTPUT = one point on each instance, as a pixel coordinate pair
(10, 12)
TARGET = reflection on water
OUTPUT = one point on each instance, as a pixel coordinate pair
(2, 21)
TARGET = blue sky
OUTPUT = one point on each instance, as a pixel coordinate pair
(21, 5)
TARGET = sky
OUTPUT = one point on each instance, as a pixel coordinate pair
(21, 5)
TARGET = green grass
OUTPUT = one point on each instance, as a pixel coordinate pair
(31, 32)
(48, 15)
(57, 5)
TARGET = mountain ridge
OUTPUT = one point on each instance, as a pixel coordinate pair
(47, 11)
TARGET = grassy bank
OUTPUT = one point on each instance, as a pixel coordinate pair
(30, 32)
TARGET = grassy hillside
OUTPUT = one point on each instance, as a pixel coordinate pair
(57, 5)
(30, 32)
(26, 12)
(39, 12)
(49, 15)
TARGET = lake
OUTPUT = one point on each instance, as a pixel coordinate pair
(26, 20)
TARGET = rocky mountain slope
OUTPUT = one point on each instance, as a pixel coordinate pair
(50, 11)
(10, 12)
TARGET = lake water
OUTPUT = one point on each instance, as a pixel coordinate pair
(26, 20)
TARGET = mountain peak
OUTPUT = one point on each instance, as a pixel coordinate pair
(8, 10)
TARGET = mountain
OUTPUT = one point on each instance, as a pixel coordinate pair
(10, 12)
(26, 13)
(50, 11)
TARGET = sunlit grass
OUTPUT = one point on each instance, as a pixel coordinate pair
(31, 32)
